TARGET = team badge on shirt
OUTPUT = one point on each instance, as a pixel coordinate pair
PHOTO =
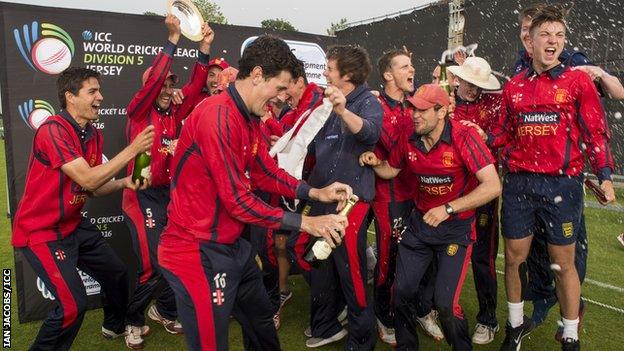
(482, 114)
(254, 148)
(451, 250)
(447, 159)
(483, 220)
(92, 160)
(568, 229)
(561, 96)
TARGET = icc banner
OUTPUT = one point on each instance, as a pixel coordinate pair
(40, 42)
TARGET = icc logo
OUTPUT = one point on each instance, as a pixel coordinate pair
(35, 112)
(48, 48)
(87, 35)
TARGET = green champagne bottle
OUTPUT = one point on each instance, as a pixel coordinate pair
(444, 79)
(141, 166)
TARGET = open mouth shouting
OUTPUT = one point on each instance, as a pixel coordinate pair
(550, 53)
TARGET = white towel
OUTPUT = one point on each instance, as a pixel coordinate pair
(291, 151)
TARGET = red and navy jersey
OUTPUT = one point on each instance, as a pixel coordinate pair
(397, 119)
(547, 119)
(311, 98)
(143, 111)
(447, 171)
(50, 207)
(483, 111)
(219, 160)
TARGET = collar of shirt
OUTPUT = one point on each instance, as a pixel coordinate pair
(240, 104)
(554, 72)
(355, 94)
(85, 133)
(417, 141)
(391, 102)
(162, 111)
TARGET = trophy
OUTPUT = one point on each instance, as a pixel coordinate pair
(190, 18)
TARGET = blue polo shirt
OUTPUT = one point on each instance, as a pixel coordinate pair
(337, 150)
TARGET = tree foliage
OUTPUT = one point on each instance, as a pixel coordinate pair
(334, 27)
(210, 11)
(278, 24)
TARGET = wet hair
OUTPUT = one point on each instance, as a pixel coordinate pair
(270, 53)
(529, 12)
(71, 80)
(384, 62)
(548, 13)
(299, 71)
(351, 60)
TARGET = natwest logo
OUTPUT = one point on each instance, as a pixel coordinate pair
(46, 47)
(35, 112)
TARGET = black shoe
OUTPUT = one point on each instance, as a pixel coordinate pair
(513, 336)
(570, 344)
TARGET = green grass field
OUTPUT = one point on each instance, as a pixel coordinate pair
(600, 330)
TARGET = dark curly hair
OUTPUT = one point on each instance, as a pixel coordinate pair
(270, 53)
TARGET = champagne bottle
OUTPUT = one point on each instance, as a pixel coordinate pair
(141, 166)
(444, 79)
(318, 249)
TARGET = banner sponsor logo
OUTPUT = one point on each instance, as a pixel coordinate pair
(35, 112)
(44, 47)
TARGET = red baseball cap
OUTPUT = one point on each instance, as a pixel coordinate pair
(149, 70)
(219, 62)
(429, 95)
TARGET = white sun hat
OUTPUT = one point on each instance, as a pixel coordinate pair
(477, 71)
